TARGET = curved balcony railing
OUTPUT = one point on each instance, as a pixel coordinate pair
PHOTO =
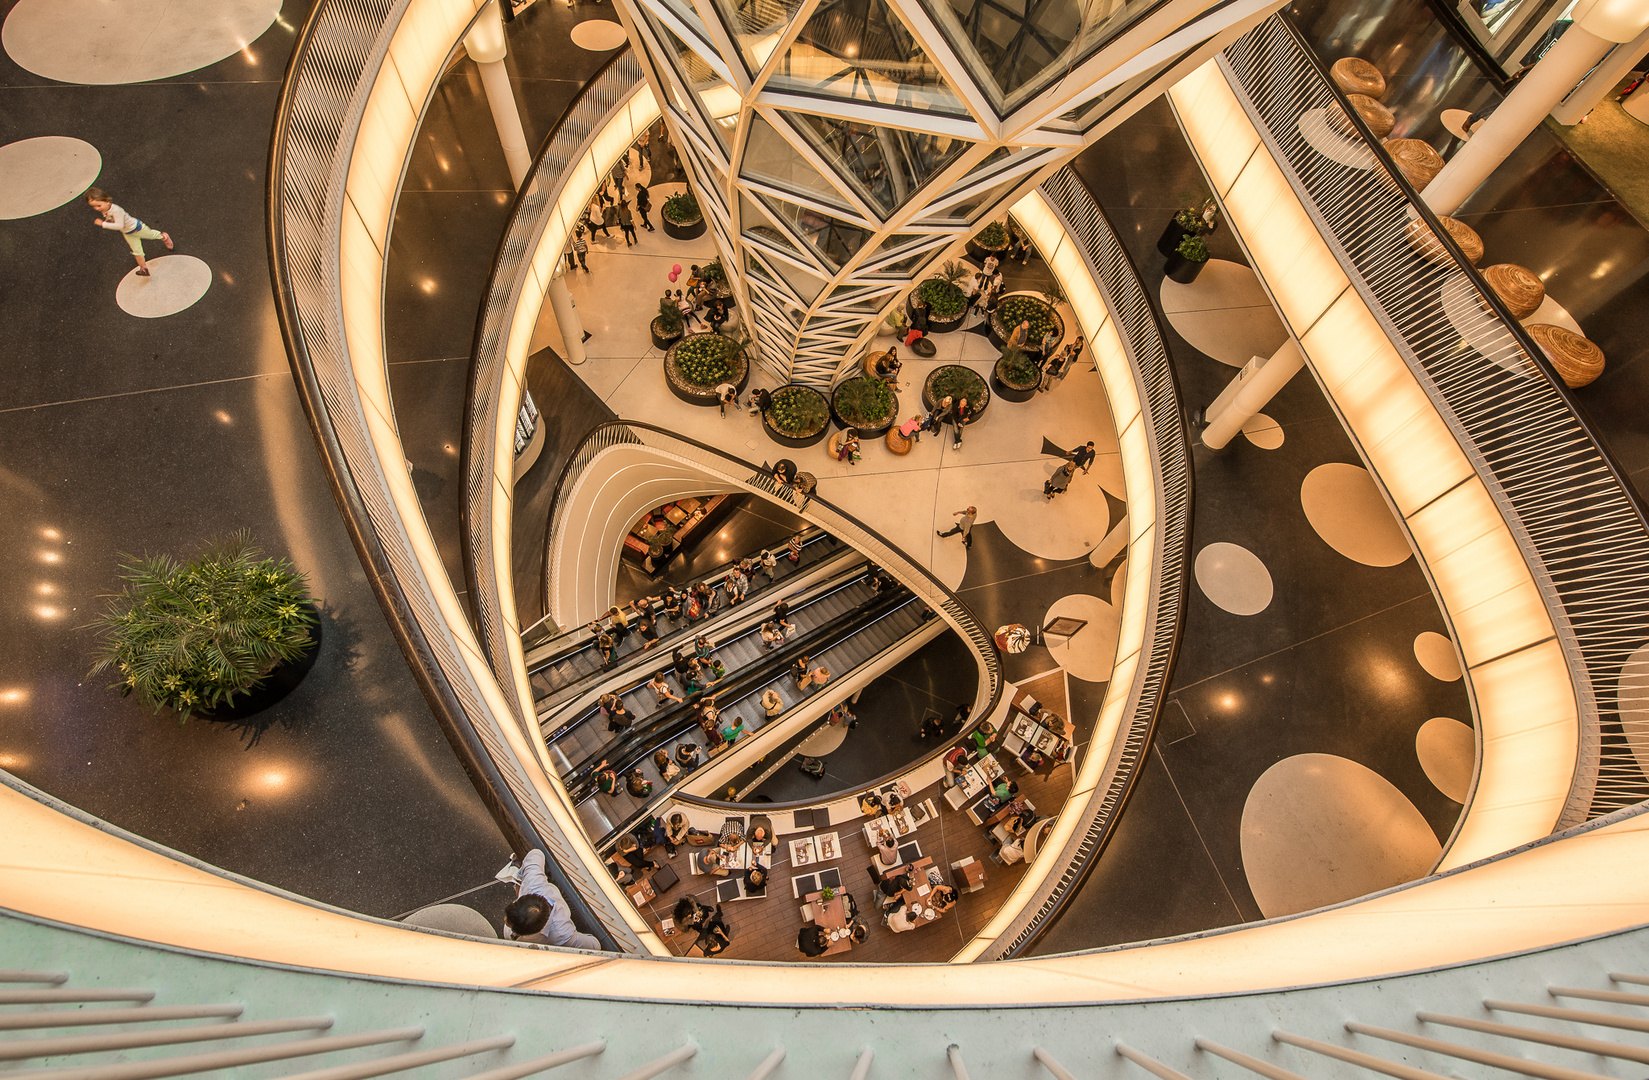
(1576, 519)
(318, 156)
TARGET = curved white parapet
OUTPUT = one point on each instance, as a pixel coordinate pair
(1516, 674)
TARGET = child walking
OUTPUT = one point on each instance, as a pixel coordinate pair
(110, 216)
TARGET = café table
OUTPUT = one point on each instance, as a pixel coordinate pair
(831, 915)
(916, 897)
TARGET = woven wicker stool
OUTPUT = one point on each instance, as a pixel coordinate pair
(1518, 287)
(1416, 159)
(1464, 236)
(1577, 359)
(1354, 75)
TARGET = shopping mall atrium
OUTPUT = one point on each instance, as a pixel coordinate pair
(1132, 513)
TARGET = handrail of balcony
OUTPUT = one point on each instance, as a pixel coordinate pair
(329, 80)
(1580, 525)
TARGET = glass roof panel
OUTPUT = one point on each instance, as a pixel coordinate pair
(836, 241)
(886, 165)
(975, 205)
(719, 103)
(757, 26)
(860, 50)
(769, 158)
(755, 223)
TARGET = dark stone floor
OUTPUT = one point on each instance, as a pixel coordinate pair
(1328, 667)
(138, 435)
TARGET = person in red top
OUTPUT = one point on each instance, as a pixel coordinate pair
(955, 763)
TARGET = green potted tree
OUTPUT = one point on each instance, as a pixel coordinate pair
(224, 635)
(1191, 220)
(681, 216)
(866, 405)
(991, 240)
(667, 327)
(1188, 260)
(698, 363)
(798, 417)
(957, 381)
(1016, 308)
(1015, 377)
(947, 305)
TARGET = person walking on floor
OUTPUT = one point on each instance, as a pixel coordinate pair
(644, 203)
(627, 222)
(596, 218)
(110, 216)
(1059, 481)
(581, 247)
(1083, 457)
(964, 525)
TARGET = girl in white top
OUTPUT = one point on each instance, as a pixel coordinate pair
(110, 216)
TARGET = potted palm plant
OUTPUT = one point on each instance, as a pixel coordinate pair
(1188, 260)
(667, 327)
(798, 417)
(223, 635)
(681, 216)
(866, 405)
(698, 363)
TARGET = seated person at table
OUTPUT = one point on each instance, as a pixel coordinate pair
(887, 849)
(1004, 788)
(755, 879)
(893, 888)
(760, 843)
(714, 862)
(714, 935)
(812, 941)
(982, 736)
(899, 919)
(629, 858)
(895, 802)
(675, 833)
(956, 763)
(860, 933)
(690, 914)
(943, 898)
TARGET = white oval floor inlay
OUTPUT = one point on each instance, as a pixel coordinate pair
(1436, 655)
(1347, 511)
(1319, 829)
(823, 741)
(1483, 331)
(1234, 578)
(1263, 431)
(175, 282)
(1320, 134)
(1225, 313)
(1447, 750)
(1090, 653)
(42, 174)
(1634, 704)
(598, 35)
(1554, 314)
(101, 43)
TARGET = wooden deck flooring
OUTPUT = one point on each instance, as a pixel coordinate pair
(765, 929)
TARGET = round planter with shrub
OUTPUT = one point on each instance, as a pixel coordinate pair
(681, 216)
(668, 326)
(1015, 377)
(957, 381)
(868, 406)
(992, 240)
(799, 416)
(1186, 222)
(698, 363)
(1187, 260)
(1016, 308)
(223, 635)
(947, 304)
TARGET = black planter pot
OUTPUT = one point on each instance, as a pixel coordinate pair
(982, 253)
(660, 341)
(875, 431)
(799, 441)
(936, 325)
(1183, 270)
(277, 684)
(929, 400)
(1006, 391)
(692, 393)
(691, 231)
(1168, 242)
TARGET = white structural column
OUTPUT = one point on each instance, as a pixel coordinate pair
(485, 44)
(566, 315)
(1249, 392)
(1599, 26)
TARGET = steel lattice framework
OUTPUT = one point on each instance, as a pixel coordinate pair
(840, 149)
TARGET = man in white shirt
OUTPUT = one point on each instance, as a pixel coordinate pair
(539, 914)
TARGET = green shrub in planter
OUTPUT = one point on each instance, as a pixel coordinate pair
(863, 402)
(1193, 249)
(682, 208)
(707, 359)
(944, 298)
(957, 382)
(669, 318)
(1016, 368)
(1190, 219)
(798, 411)
(1013, 310)
(191, 636)
(712, 270)
(993, 236)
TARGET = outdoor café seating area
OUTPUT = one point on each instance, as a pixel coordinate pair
(907, 872)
